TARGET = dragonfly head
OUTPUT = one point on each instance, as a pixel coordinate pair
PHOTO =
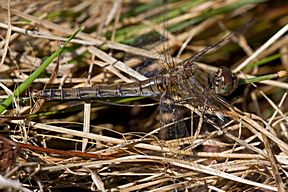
(224, 82)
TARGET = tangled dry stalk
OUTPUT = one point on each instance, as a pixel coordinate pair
(99, 147)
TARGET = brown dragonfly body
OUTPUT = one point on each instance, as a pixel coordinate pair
(190, 82)
(185, 83)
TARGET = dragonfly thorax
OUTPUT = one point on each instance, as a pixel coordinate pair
(224, 82)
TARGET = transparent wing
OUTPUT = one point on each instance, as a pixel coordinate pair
(148, 66)
(171, 118)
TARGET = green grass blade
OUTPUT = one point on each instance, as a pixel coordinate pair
(263, 61)
(278, 75)
(35, 74)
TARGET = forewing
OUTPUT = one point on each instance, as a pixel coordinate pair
(193, 88)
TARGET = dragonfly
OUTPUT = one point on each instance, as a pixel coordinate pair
(185, 83)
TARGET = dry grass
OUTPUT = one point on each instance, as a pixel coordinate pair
(42, 141)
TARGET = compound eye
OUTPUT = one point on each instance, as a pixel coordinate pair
(225, 82)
